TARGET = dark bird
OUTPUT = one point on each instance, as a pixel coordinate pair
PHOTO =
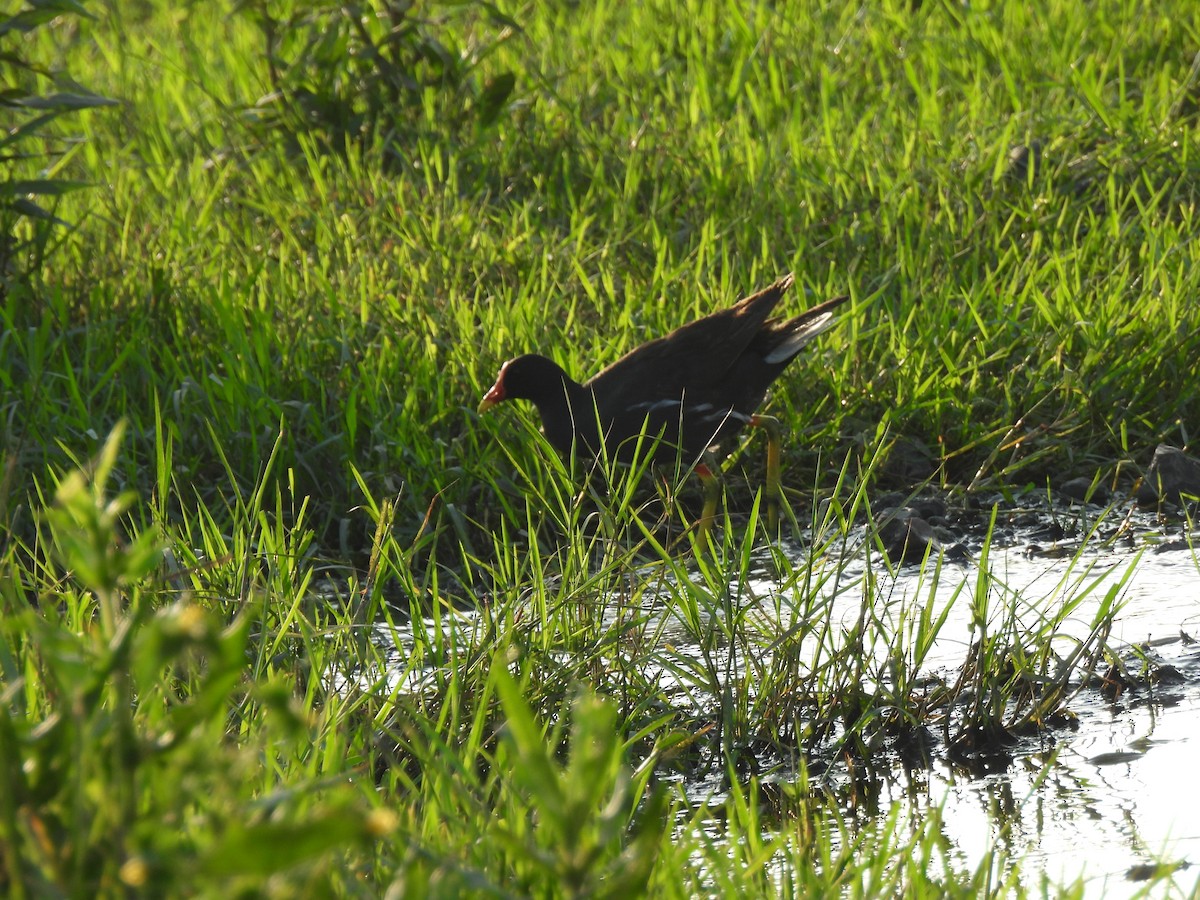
(680, 396)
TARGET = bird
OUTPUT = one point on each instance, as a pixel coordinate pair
(677, 399)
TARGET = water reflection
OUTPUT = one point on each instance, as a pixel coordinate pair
(1119, 791)
(1123, 789)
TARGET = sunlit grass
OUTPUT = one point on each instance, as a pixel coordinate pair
(295, 317)
(637, 670)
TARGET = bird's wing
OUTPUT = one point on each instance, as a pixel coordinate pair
(692, 357)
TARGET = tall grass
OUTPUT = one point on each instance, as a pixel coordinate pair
(300, 262)
(1014, 326)
(187, 712)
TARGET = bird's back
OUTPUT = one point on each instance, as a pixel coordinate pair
(697, 385)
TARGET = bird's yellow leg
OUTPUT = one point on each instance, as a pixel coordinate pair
(710, 477)
(774, 486)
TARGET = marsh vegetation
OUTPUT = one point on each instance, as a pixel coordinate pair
(282, 614)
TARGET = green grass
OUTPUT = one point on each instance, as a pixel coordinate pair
(292, 280)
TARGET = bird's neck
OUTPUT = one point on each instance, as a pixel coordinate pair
(568, 414)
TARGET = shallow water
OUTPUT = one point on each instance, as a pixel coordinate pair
(1089, 804)
(1092, 803)
(1121, 790)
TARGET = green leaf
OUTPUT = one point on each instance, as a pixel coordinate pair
(595, 760)
(10, 96)
(269, 847)
(63, 6)
(33, 211)
(26, 128)
(534, 769)
(66, 101)
(26, 20)
(499, 17)
(48, 187)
